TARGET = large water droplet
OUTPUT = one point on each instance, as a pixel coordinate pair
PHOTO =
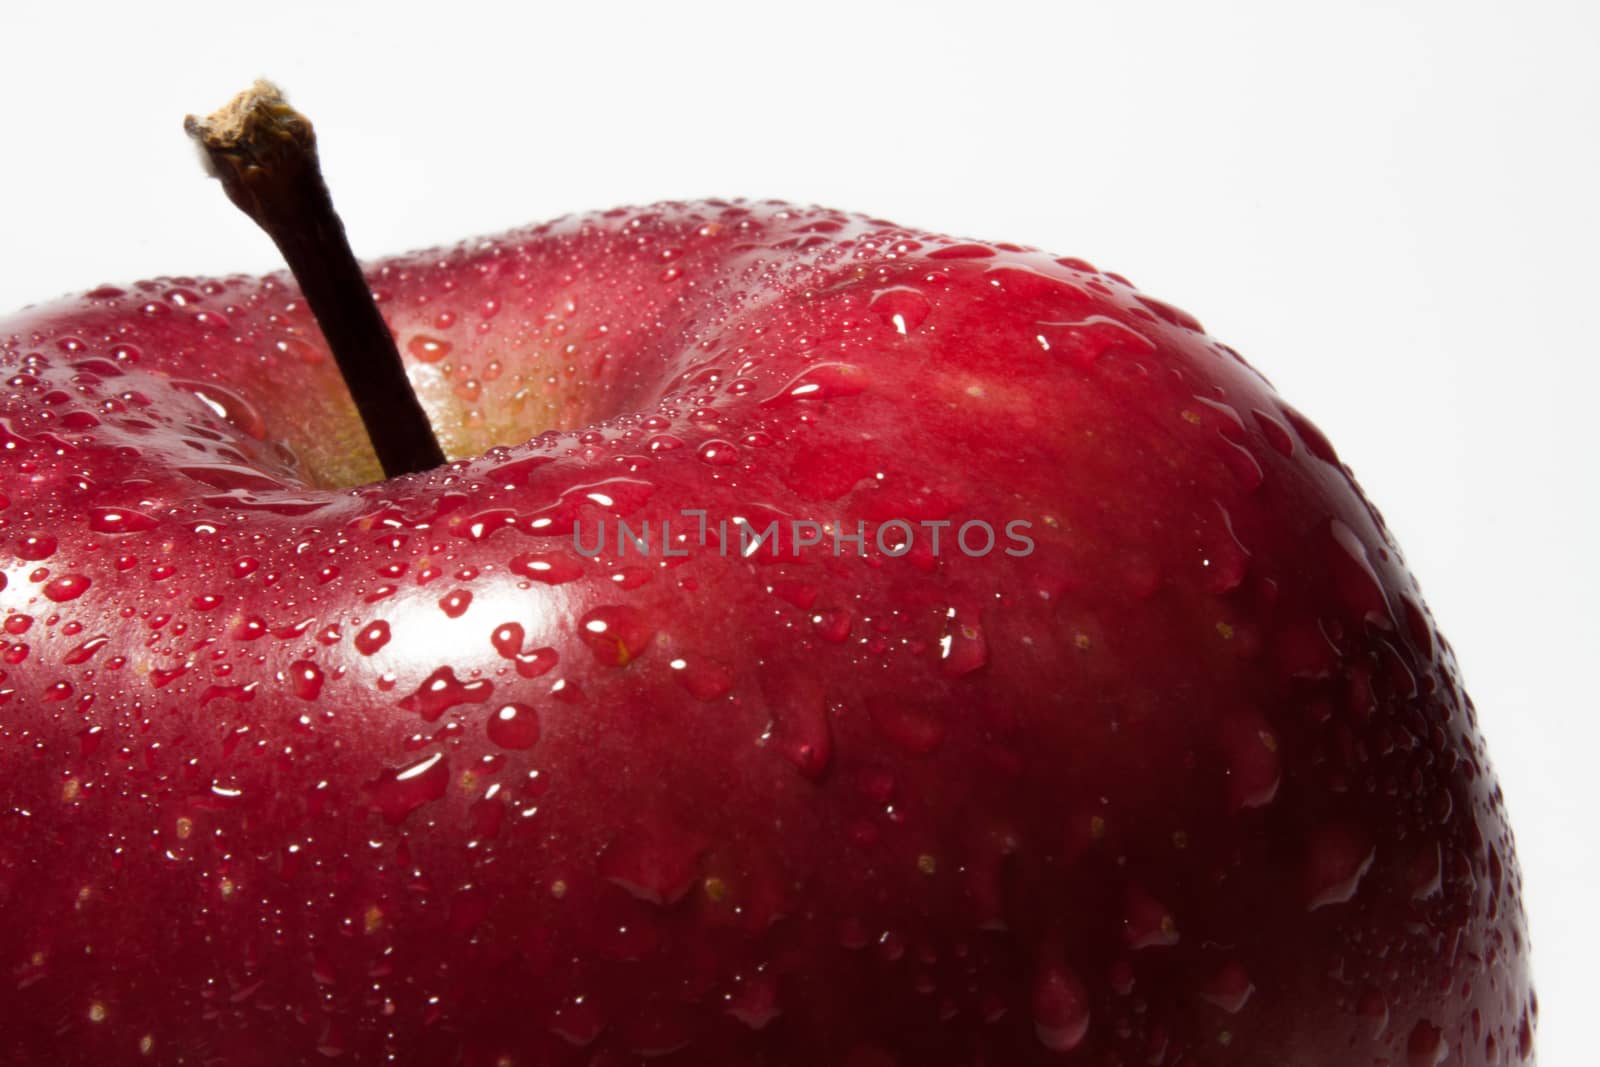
(704, 678)
(550, 568)
(658, 864)
(228, 406)
(1146, 922)
(425, 349)
(119, 520)
(35, 547)
(616, 634)
(1254, 767)
(962, 251)
(398, 792)
(86, 651)
(578, 1022)
(902, 307)
(455, 603)
(306, 679)
(1426, 1046)
(372, 637)
(1229, 989)
(228, 476)
(67, 587)
(1337, 857)
(442, 691)
(800, 729)
(719, 453)
(514, 726)
(825, 381)
(1083, 342)
(1313, 438)
(754, 1002)
(1355, 579)
(1060, 1008)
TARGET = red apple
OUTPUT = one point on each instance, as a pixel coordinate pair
(300, 761)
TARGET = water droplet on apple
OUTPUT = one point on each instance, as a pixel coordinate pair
(441, 691)
(455, 603)
(426, 349)
(248, 628)
(825, 381)
(902, 307)
(664, 442)
(1083, 342)
(719, 453)
(67, 587)
(1425, 872)
(657, 863)
(1060, 1004)
(35, 547)
(578, 1021)
(1375, 1009)
(228, 406)
(119, 520)
(833, 626)
(615, 633)
(1146, 922)
(514, 726)
(616, 496)
(1312, 437)
(968, 250)
(306, 679)
(507, 638)
(550, 568)
(228, 476)
(1417, 626)
(703, 678)
(300, 348)
(397, 792)
(1356, 579)
(1229, 988)
(1337, 858)
(1243, 465)
(1254, 768)
(754, 1001)
(800, 729)
(1224, 560)
(1426, 1046)
(372, 637)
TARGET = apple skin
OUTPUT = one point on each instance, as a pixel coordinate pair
(301, 763)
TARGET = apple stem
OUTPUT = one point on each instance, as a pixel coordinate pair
(265, 154)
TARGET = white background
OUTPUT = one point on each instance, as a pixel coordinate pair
(1390, 209)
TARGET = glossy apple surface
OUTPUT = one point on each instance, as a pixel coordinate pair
(299, 763)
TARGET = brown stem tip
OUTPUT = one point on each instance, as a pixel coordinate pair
(265, 154)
